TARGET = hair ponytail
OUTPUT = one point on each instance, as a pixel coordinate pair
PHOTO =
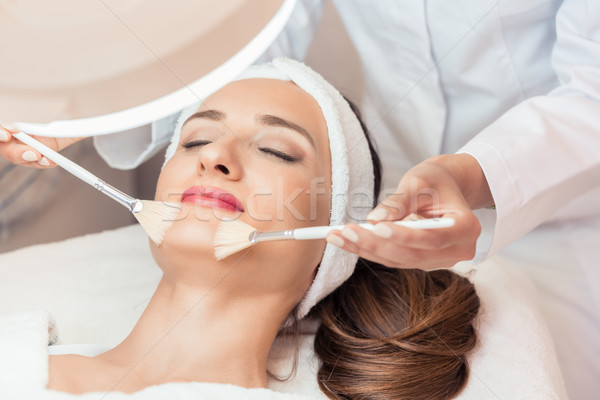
(396, 334)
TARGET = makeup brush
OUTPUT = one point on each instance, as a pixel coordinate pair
(233, 236)
(154, 216)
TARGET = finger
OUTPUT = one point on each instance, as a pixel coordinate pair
(412, 194)
(368, 245)
(42, 163)
(46, 163)
(408, 258)
(21, 154)
(394, 207)
(379, 260)
(425, 260)
(466, 229)
(4, 135)
(407, 247)
(399, 263)
(336, 239)
(405, 258)
(390, 237)
(376, 250)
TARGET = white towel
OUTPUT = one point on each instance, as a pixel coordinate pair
(24, 339)
(515, 359)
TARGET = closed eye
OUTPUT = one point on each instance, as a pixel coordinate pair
(279, 154)
(272, 152)
(195, 143)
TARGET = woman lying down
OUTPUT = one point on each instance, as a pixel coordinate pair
(280, 148)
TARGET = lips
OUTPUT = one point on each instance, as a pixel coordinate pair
(212, 198)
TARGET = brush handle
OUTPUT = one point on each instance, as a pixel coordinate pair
(319, 232)
(80, 172)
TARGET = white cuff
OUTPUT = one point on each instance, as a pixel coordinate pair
(492, 238)
(129, 149)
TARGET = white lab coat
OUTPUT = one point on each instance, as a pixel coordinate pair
(439, 75)
(514, 83)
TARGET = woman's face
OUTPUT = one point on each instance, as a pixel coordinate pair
(256, 150)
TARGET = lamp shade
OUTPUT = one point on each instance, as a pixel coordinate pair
(90, 67)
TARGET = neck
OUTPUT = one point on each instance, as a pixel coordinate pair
(190, 334)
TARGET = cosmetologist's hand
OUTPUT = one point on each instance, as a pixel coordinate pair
(442, 186)
(22, 154)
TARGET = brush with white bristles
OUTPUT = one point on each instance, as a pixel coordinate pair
(154, 216)
(233, 236)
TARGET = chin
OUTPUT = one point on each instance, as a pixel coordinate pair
(191, 234)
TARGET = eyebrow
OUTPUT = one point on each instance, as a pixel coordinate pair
(214, 115)
(272, 120)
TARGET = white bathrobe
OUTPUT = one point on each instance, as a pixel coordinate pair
(24, 340)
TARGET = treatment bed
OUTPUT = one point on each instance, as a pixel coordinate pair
(96, 286)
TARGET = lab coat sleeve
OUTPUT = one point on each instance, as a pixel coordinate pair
(545, 151)
(127, 150)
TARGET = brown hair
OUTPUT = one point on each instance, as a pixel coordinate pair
(396, 334)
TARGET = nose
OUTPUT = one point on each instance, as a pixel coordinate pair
(219, 158)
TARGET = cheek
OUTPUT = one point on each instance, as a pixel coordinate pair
(289, 201)
(160, 186)
(170, 185)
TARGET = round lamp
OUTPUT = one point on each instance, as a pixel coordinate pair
(91, 67)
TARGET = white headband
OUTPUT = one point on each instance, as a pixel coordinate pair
(352, 177)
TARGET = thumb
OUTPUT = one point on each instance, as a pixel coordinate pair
(393, 208)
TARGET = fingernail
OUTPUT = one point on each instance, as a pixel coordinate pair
(3, 136)
(29, 156)
(335, 240)
(350, 235)
(383, 231)
(44, 162)
(377, 214)
(411, 216)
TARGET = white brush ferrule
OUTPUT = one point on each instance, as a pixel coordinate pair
(132, 204)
